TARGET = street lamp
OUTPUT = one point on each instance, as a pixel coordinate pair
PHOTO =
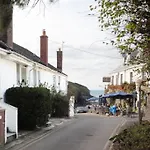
(134, 99)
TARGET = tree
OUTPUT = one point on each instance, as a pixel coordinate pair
(6, 11)
(129, 20)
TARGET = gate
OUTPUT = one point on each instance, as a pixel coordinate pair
(2, 126)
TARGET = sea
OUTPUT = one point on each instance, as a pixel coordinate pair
(96, 93)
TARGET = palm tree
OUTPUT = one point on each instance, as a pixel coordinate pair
(6, 14)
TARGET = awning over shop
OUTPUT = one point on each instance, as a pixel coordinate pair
(118, 95)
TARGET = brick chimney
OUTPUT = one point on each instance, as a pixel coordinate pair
(10, 34)
(44, 48)
(6, 35)
(59, 59)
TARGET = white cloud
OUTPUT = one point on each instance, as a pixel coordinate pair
(68, 21)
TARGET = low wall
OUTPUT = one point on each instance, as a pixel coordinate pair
(11, 118)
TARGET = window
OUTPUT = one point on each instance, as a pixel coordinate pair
(121, 78)
(21, 74)
(54, 81)
(59, 82)
(18, 73)
(131, 77)
(34, 77)
(112, 80)
(39, 78)
(117, 77)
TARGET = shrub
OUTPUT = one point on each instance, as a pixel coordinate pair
(136, 137)
(60, 105)
(34, 105)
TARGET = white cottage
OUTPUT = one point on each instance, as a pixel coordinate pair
(19, 65)
(126, 73)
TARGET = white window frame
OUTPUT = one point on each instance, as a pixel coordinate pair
(18, 78)
(112, 80)
(121, 79)
(59, 80)
(117, 79)
(39, 77)
(19, 70)
(54, 81)
(34, 77)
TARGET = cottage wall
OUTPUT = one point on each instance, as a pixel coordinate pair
(128, 74)
(7, 75)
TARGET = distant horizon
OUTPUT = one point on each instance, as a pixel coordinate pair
(96, 93)
(96, 89)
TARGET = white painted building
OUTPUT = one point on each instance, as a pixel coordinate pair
(20, 66)
(126, 73)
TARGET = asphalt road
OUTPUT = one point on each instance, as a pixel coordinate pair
(86, 132)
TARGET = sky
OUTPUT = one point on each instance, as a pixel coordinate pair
(86, 59)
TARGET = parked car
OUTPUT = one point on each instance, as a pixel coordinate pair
(81, 109)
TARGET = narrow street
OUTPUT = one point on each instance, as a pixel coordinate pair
(87, 132)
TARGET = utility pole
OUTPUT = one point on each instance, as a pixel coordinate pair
(139, 109)
(62, 45)
(138, 88)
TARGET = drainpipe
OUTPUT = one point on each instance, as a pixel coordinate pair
(34, 66)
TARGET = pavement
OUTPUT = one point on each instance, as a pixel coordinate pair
(30, 136)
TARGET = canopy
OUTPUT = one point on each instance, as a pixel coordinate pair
(93, 99)
(118, 95)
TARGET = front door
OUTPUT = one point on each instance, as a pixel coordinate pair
(2, 126)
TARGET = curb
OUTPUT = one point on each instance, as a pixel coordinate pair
(21, 144)
(109, 144)
(20, 141)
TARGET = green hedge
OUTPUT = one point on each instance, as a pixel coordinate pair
(136, 137)
(60, 105)
(34, 105)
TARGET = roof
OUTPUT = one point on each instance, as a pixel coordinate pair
(118, 69)
(28, 54)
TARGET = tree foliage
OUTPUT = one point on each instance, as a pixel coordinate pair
(6, 11)
(129, 20)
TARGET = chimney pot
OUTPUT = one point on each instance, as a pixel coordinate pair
(44, 32)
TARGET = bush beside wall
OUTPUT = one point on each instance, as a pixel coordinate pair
(135, 137)
(34, 105)
(60, 105)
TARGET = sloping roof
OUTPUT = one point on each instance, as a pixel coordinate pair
(28, 54)
(119, 68)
